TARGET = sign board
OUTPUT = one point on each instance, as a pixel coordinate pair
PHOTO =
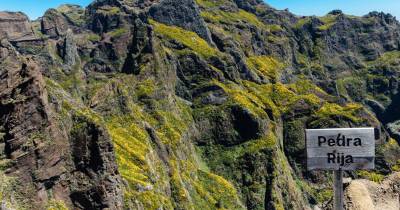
(340, 148)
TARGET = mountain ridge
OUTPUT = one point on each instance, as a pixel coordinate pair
(188, 104)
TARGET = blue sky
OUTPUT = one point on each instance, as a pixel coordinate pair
(352, 7)
(36, 8)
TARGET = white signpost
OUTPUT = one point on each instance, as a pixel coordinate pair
(340, 149)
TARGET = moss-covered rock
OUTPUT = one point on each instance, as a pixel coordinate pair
(140, 109)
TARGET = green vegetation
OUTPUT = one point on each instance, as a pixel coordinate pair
(243, 98)
(93, 37)
(370, 175)
(305, 87)
(9, 196)
(352, 87)
(150, 128)
(391, 153)
(301, 22)
(145, 88)
(135, 151)
(116, 33)
(348, 112)
(179, 135)
(284, 186)
(6, 184)
(317, 51)
(131, 143)
(73, 13)
(240, 17)
(266, 65)
(328, 20)
(321, 194)
(56, 205)
(210, 3)
(389, 58)
(312, 64)
(278, 98)
(396, 167)
(216, 190)
(108, 10)
(324, 195)
(265, 143)
(132, 149)
(187, 38)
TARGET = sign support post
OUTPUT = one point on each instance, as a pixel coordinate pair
(340, 149)
(338, 188)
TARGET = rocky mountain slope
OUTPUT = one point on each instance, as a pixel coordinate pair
(189, 104)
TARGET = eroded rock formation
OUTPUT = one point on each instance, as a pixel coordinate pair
(189, 104)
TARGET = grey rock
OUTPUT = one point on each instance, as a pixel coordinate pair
(68, 51)
(182, 13)
(394, 129)
(376, 106)
(54, 24)
(248, 5)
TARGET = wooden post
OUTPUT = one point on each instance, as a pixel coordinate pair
(338, 188)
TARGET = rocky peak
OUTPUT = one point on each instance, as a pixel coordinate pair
(385, 17)
(336, 12)
(68, 51)
(73, 13)
(125, 5)
(15, 25)
(143, 111)
(110, 14)
(182, 13)
(248, 5)
(53, 23)
(56, 22)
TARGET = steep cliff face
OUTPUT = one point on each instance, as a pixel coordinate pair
(14, 25)
(187, 104)
(71, 160)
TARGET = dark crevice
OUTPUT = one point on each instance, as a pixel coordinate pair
(218, 42)
(24, 72)
(162, 150)
(85, 148)
(246, 125)
(392, 112)
(130, 65)
(5, 111)
(89, 200)
(268, 200)
(96, 162)
(8, 147)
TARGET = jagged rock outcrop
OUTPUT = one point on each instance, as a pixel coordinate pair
(68, 51)
(14, 26)
(182, 13)
(56, 22)
(33, 140)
